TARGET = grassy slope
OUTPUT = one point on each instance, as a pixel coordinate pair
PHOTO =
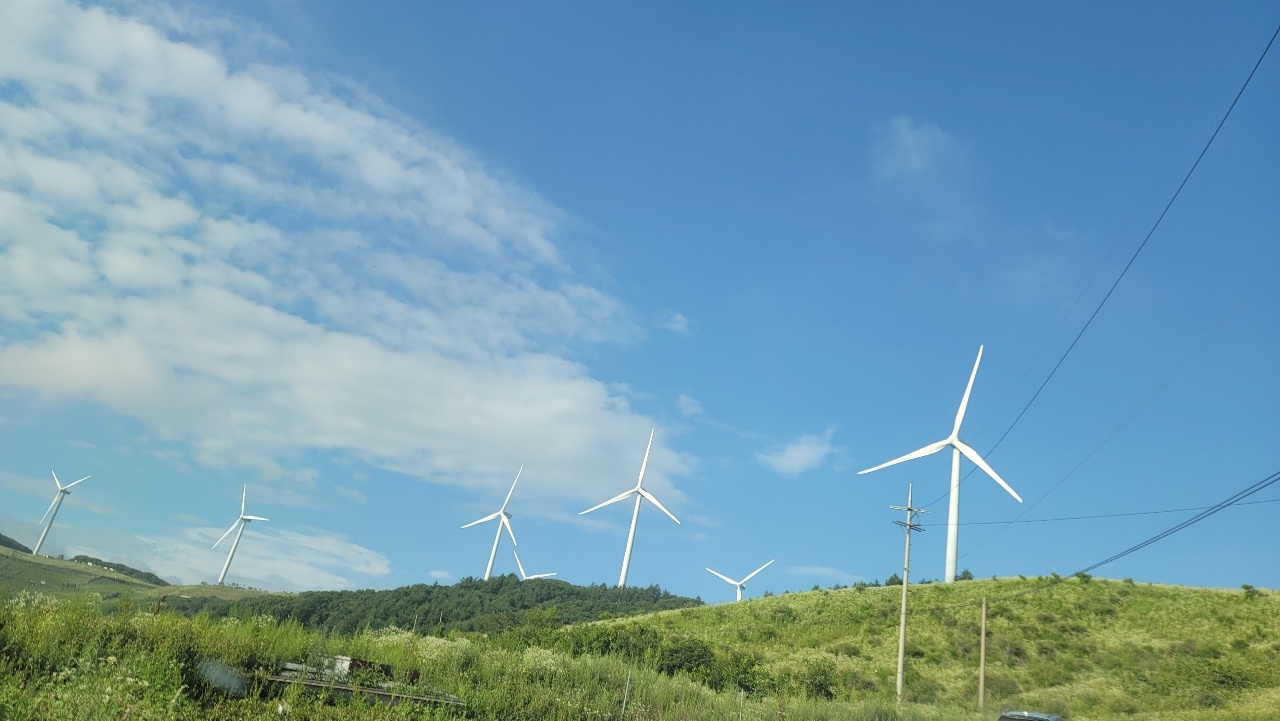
(1096, 650)
(1084, 649)
(62, 579)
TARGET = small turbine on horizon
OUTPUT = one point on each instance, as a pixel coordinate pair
(504, 521)
(52, 511)
(520, 566)
(641, 494)
(958, 447)
(739, 585)
(242, 521)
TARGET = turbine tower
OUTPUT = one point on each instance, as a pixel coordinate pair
(242, 521)
(523, 577)
(958, 448)
(504, 521)
(739, 585)
(52, 512)
(641, 494)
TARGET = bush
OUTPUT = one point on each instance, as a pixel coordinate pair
(690, 655)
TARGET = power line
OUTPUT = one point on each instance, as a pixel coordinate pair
(1104, 515)
(1264, 483)
(1160, 218)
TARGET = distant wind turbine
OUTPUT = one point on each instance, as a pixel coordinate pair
(52, 512)
(242, 521)
(641, 494)
(739, 585)
(958, 447)
(523, 577)
(504, 521)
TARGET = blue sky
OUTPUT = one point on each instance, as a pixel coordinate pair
(371, 261)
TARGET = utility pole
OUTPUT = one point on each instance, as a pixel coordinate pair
(908, 526)
(982, 662)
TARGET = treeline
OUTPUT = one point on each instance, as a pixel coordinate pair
(471, 604)
(131, 572)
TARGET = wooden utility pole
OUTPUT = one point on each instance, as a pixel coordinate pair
(908, 526)
(982, 662)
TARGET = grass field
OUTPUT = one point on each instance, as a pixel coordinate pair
(62, 579)
(1087, 649)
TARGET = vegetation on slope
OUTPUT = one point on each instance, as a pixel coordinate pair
(146, 576)
(1079, 647)
(62, 579)
(469, 605)
(6, 542)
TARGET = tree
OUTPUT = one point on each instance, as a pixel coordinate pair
(894, 580)
(965, 575)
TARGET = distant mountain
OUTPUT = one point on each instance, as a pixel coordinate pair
(469, 605)
(7, 542)
(151, 578)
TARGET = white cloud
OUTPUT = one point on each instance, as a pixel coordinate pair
(256, 262)
(688, 406)
(266, 558)
(440, 575)
(679, 324)
(928, 173)
(803, 454)
(834, 574)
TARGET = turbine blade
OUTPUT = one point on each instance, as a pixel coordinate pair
(489, 517)
(723, 577)
(539, 575)
(82, 480)
(507, 525)
(520, 565)
(243, 494)
(55, 480)
(973, 456)
(926, 451)
(645, 462)
(758, 570)
(255, 518)
(654, 501)
(615, 499)
(964, 402)
(513, 489)
(53, 503)
(228, 533)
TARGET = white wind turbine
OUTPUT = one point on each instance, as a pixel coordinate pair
(52, 511)
(641, 494)
(958, 447)
(242, 521)
(504, 521)
(523, 577)
(739, 585)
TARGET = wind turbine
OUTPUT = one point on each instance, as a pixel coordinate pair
(242, 521)
(504, 521)
(641, 494)
(739, 585)
(523, 577)
(958, 448)
(52, 511)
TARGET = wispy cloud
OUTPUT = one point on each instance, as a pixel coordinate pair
(256, 262)
(688, 406)
(679, 324)
(266, 557)
(925, 171)
(803, 454)
(833, 574)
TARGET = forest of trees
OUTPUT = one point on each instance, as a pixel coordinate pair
(470, 605)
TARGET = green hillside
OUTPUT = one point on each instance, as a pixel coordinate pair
(6, 542)
(1082, 648)
(1086, 649)
(63, 579)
